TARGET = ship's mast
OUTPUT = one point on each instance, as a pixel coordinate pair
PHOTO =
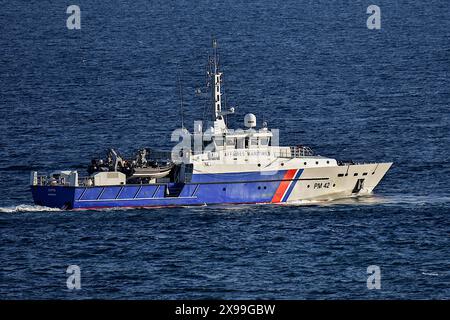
(216, 82)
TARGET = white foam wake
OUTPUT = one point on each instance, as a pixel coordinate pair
(376, 199)
(26, 208)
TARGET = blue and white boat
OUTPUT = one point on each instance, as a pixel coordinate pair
(225, 167)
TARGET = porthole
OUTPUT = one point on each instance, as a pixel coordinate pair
(334, 185)
(259, 188)
(307, 186)
(304, 163)
(259, 164)
(328, 161)
(317, 162)
(365, 174)
(265, 187)
(282, 164)
(346, 174)
(224, 189)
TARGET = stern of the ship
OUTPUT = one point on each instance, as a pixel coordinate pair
(61, 197)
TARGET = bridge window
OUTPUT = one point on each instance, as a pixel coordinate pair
(240, 143)
(264, 141)
(231, 142)
(219, 142)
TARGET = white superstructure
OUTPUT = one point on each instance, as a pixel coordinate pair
(253, 150)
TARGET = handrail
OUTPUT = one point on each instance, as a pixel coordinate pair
(301, 151)
(295, 152)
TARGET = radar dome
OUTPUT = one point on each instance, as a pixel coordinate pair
(250, 120)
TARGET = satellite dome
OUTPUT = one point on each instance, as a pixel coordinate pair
(250, 120)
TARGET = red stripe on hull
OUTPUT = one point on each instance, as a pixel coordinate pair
(283, 185)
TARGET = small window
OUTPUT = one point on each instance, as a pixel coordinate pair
(230, 142)
(282, 164)
(355, 174)
(346, 174)
(224, 189)
(365, 174)
(259, 164)
(334, 185)
(247, 143)
(264, 141)
(328, 161)
(265, 187)
(259, 188)
(308, 186)
(239, 143)
(340, 175)
(317, 162)
(304, 163)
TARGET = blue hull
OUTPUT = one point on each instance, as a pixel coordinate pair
(203, 189)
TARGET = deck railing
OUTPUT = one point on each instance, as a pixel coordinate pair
(301, 151)
(43, 180)
(295, 152)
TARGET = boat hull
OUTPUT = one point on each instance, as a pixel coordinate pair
(282, 186)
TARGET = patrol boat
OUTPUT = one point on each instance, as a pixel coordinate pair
(225, 167)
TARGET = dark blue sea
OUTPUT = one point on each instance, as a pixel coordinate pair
(310, 68)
